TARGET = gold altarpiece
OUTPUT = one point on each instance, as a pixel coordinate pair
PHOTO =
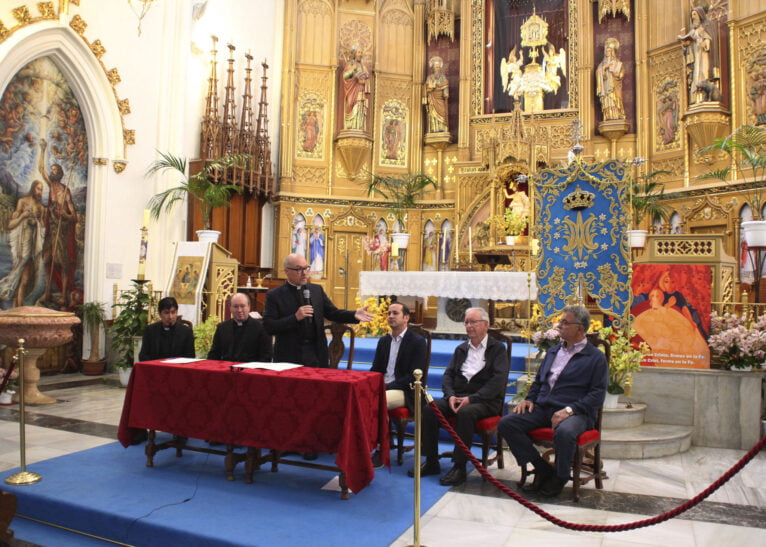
(322, 164)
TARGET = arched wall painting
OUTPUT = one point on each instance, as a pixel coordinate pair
(43, 189)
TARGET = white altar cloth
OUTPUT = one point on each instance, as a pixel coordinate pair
(500, 285)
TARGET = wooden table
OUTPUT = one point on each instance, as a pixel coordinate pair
(341, 412)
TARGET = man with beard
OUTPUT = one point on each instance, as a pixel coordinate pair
(60, 220)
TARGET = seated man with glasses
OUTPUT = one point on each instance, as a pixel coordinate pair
(568, 391)
(295, 312)
(474, 388)
(240, 339)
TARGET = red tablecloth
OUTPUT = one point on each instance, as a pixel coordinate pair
(299, 410)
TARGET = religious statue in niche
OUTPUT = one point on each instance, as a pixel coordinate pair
(43, 189)
(356, 90)
(532, 80)
(445, 245)
(701, 53)
(756, 87)
(609, 75)
(667, 112)
(436, 97)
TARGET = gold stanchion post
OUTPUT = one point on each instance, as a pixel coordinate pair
(23, 476)
(419, 393)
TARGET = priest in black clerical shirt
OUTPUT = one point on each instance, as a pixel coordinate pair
(168, 337)
(240, 339)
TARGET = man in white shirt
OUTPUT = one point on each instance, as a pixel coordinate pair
(474, 388)
(568, 390)
(398, 355)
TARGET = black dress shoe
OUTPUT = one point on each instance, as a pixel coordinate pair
(426, 468)
(454, 476)
(541, 477)
(310, 456)
(553, 486)
(377, 461)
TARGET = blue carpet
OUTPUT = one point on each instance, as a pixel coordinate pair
(108, 492)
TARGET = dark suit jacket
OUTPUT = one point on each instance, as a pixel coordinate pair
(581, 385)
(255, 344)
(412, 355)
(182, 342)
(279, 320)
(486, 386)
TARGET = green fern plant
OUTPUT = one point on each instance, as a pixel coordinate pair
(645, 196)
(401, 193)
(746, 148)
(204, 187)
(203, 336)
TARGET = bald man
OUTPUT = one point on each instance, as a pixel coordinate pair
(295, 314)
(240, 339)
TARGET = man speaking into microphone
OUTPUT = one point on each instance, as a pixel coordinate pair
(295, 314)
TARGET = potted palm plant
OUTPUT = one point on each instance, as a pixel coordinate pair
(402, 194)
(93, 315)
(129, 324)
(645, 196)
(746, 148)
(204, 187)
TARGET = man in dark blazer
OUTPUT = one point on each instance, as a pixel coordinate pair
(168, 337)
(240, 339)
(398, 355)
(568, 391)
(295, 314)
(474, 388)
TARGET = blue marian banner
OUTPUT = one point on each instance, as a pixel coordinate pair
(581, 224)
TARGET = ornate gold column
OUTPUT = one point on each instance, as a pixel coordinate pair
(418, 77)
(466, 73)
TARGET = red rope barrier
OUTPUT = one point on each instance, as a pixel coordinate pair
(597, 527)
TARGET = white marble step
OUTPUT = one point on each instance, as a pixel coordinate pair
(622, 417)
(645, 441)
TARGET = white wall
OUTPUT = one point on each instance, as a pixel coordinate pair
(165, 80)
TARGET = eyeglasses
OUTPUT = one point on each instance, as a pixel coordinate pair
(474, 321)
(564, 322)
(303, 269)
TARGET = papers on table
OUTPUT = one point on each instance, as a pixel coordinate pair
(267, 366)
(181, 360)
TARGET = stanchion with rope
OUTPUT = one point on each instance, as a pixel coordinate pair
(23, 476)
(589, 527)
(418, 386)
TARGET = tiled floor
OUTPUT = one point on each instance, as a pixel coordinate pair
(87, 415)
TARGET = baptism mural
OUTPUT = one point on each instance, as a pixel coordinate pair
(43, 188)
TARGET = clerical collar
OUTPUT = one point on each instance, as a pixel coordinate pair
(239, 323)
(298, 287)
(166, 329)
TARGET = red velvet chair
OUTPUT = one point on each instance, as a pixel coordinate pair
(401, 416)
(587, 465)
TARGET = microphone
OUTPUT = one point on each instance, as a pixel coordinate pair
(307, 301)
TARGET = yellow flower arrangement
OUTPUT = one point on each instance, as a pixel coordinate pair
(379, 324)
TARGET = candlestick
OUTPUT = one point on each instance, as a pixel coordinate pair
(470, 245)
(144, 246)
(444, 247)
